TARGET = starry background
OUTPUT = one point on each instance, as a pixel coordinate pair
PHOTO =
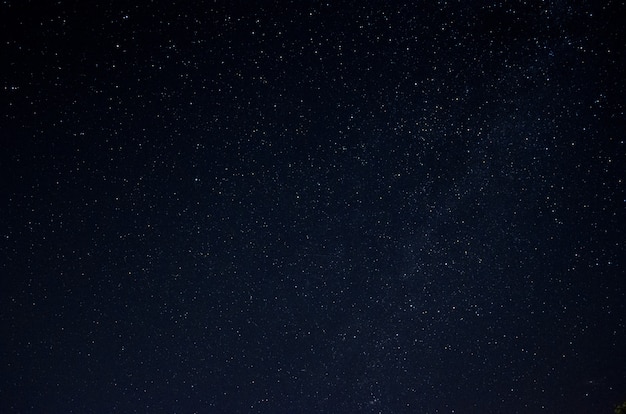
(292, 207)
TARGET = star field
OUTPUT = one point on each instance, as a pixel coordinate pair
(305, 207)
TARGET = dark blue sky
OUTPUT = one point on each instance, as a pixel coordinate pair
(338, 207)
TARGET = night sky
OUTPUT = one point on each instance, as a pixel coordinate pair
(312, 207)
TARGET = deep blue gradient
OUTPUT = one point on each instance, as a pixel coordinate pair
(277, 207)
